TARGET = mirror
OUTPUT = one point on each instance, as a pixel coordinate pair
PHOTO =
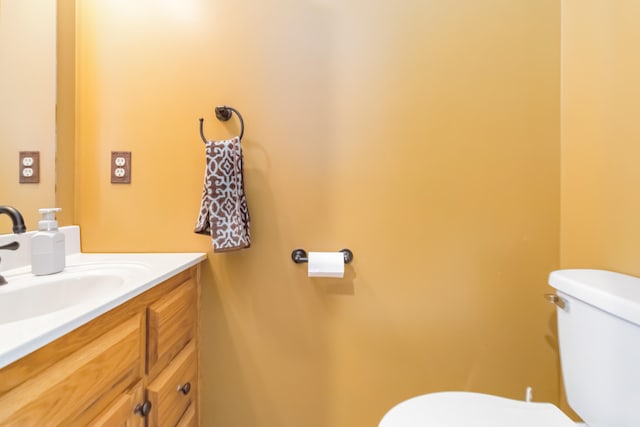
(28, 104)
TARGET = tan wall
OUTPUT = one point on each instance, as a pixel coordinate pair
(600, 103)
(66, 109)
(27, 104)
(423, 135)
(600, 133)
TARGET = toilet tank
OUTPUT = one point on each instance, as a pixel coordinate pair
(599, 336)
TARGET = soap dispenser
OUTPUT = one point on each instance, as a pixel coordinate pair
(47, 245)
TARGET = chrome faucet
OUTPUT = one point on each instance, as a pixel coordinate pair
(18, 228)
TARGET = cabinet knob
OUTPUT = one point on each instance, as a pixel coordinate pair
(184, 388)
(143, 409)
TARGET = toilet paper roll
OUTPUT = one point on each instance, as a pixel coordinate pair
(326, 264)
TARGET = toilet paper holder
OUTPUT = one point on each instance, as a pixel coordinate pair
(300, 255)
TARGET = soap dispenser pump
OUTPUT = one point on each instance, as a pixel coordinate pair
(47, 245)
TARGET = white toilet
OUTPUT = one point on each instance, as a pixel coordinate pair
(599, 335)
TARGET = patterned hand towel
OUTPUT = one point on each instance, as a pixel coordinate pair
(224, 213)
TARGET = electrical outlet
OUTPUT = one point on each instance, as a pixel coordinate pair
(121, 167)
(29, 167)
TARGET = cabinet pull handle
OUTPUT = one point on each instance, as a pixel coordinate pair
(143, 409)
(184, 388)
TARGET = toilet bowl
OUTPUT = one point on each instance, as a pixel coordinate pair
(464, 409)
(599, 339)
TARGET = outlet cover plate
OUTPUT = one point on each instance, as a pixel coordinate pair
(29, 167)
(121, 167)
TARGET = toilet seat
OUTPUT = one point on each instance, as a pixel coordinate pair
(465, 409)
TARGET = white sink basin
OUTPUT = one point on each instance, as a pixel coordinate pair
(26, 296)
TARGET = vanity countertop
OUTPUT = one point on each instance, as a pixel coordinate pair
(120, 277)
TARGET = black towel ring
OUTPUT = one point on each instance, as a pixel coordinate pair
(223, 113)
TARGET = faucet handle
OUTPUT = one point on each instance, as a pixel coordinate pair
(11, 246)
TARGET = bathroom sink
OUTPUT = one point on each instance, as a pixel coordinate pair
(27, 296)
(36, 310)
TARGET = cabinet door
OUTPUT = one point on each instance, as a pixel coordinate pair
(121, 412)
(171, 325)
(174, 390)
(80, 386)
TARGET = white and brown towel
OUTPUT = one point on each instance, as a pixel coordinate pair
(224, 213)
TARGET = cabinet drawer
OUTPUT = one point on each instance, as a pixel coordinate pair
(80, 386)
(171, 325)
(120, 413)
(189, 418)
(168, 402)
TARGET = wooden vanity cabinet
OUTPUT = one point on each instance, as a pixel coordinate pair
(172, 392)
(172, 355)
(134, 366)
(120, 413)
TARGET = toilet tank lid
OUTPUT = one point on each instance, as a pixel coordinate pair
(616, 293)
